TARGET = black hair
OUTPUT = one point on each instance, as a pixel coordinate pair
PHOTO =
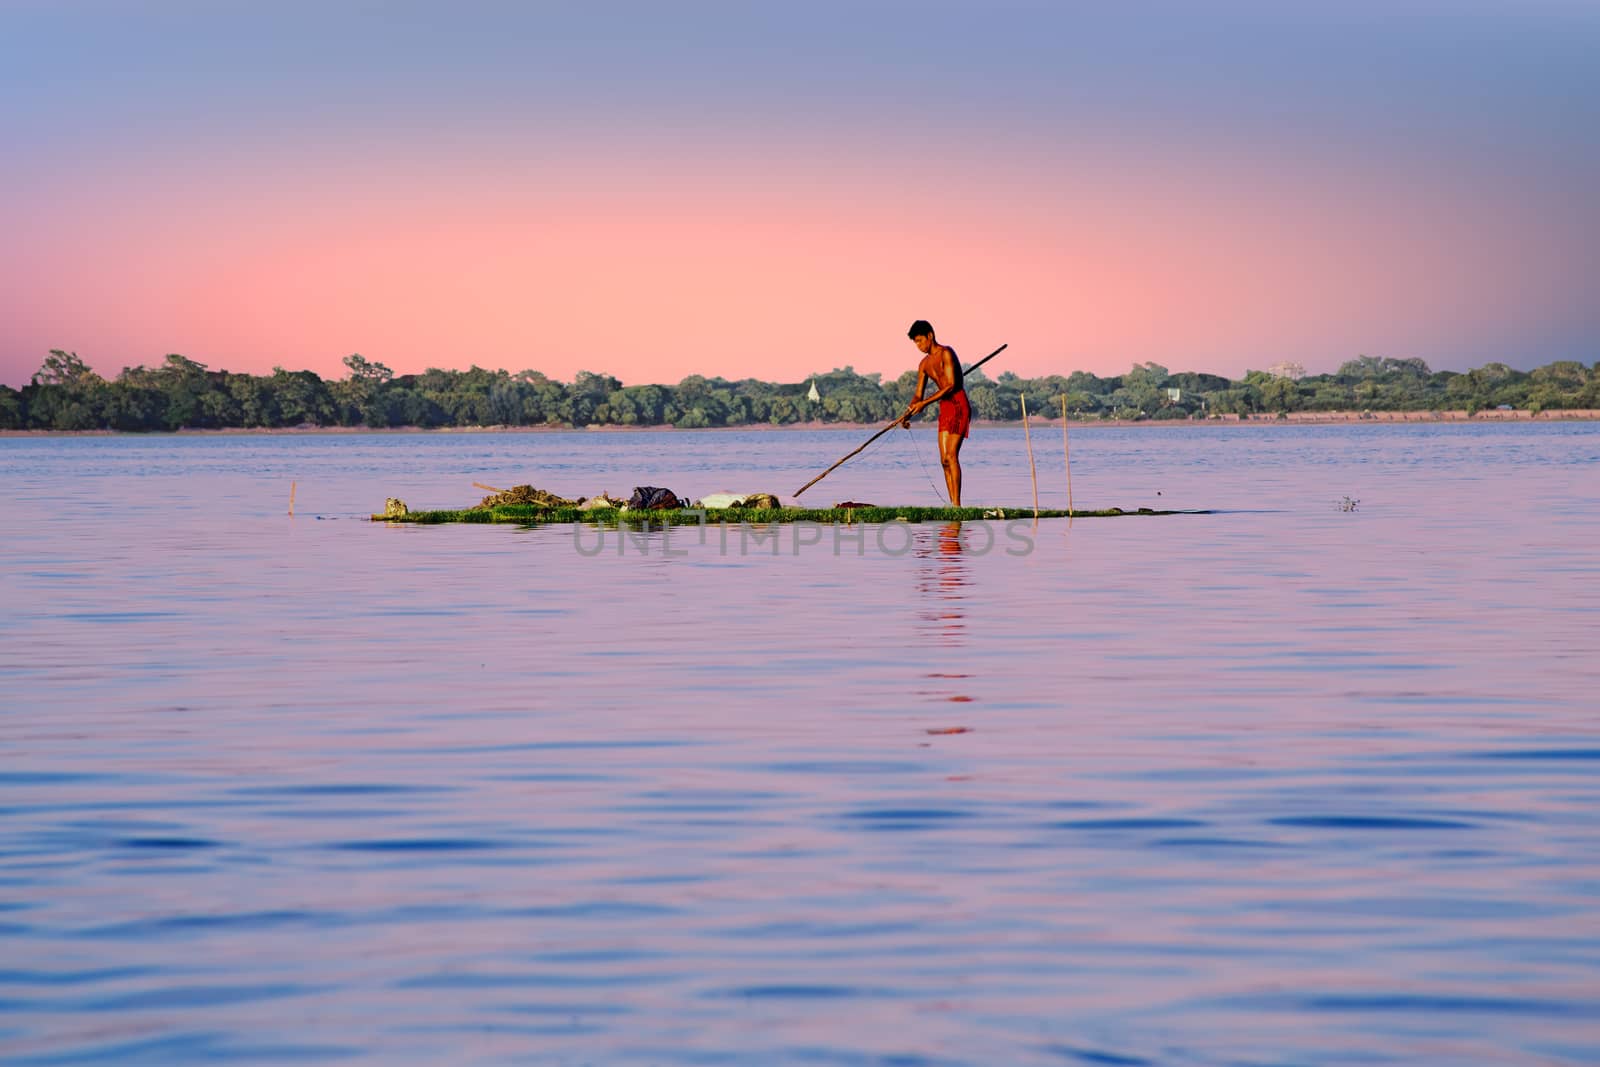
(920, 328)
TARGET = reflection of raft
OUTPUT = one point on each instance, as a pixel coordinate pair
(529, 515)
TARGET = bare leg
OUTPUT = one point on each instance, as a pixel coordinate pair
(950, 459)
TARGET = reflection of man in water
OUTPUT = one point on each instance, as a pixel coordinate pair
(943, 578)
(940, 366)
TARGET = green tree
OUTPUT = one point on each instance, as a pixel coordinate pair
(1081, 381)
(1558, 385)
(185, 383)
(301, 397)
(1280, 394)
(1144, 376)
(360, 398)
(587, 393)
(419, 409)
(13, 415)
(65, 369)
(257, 404)
(783, 411)
(1080, 402)
(64, 394)
(1590, 396)
(363, 370)
(1328, 394)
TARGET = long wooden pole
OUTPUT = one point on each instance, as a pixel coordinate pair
(291, 499)
(1032, 470)
(886, 429)
(839, 464)
(1066, 454)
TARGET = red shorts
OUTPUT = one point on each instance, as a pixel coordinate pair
(955, 415)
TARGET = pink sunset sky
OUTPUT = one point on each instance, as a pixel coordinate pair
(770, 194)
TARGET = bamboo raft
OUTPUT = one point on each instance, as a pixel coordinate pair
(530, 515)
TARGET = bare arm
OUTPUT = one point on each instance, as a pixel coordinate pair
(916, 404)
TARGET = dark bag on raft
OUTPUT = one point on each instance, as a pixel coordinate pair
(654, 499)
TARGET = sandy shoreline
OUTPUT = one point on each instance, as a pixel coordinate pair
(1294, 418)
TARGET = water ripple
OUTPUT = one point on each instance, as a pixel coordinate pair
(1274, 784)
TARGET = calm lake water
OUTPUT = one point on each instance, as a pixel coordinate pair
(1284, 784)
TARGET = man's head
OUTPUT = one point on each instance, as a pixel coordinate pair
(921, 334)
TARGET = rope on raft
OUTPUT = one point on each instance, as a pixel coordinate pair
(925, 472)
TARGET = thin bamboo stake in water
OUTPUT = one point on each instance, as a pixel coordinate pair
(1065, 453)
(291, 499)
(1032, 470)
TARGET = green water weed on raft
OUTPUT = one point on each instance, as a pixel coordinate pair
(529, 515)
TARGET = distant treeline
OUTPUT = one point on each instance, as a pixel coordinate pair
(183, 394)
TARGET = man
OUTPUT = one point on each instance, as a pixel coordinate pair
(940, 366)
